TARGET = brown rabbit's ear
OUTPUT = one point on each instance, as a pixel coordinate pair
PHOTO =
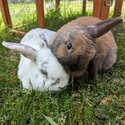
(98, 29)
(25, 50)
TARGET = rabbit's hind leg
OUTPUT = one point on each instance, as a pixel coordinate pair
(110, 59)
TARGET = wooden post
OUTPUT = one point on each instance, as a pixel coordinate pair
(57, 4)
(100, 10)
(118, 8)
(40, 13)
(84, 7)
(5, 13)
(97, 7)
(105, 10)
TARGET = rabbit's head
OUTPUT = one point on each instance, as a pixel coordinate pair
(42, 57)
(46, 63)
(76, 48)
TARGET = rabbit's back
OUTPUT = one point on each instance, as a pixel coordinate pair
(37, 38)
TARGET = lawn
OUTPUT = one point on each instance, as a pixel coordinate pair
(81, 103)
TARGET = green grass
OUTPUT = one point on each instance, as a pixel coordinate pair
(79, 104)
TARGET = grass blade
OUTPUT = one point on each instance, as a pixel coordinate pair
(50, 120)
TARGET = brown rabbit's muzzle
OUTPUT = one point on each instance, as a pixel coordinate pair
(75, 67)
(76, 71)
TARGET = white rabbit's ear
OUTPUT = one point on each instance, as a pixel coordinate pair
(100, 28)
(25, 50)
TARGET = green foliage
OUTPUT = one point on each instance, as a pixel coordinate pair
(79, 104)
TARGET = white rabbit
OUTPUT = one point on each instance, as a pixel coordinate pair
(38, 68)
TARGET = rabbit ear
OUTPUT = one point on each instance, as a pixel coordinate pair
(25, 50)
(102, 27)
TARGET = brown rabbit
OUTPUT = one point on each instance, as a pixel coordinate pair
(85, 44)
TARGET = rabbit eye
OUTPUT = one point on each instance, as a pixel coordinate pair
(69, 46)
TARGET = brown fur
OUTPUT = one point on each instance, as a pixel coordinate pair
(87, 52)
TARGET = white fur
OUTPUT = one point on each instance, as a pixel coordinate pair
(29, 71)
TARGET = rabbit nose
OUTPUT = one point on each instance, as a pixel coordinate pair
(74, 67)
